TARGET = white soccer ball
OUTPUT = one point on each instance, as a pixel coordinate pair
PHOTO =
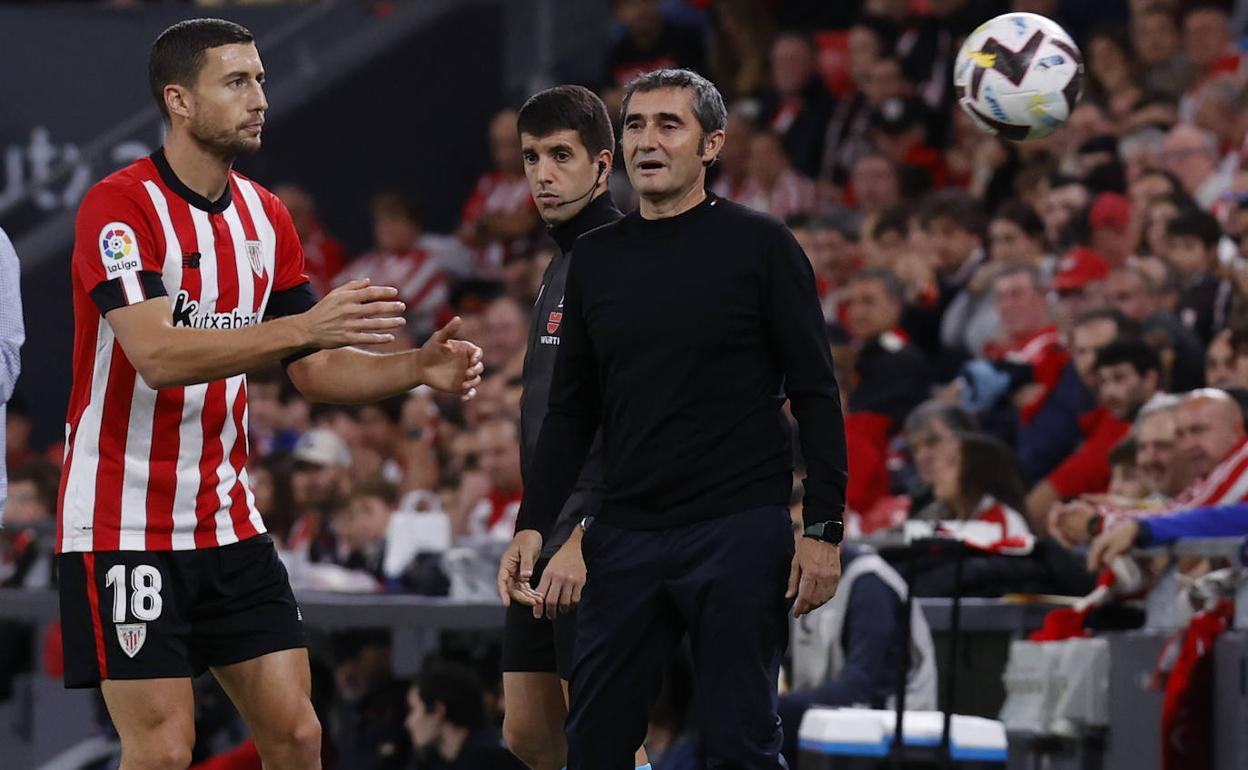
(1018, 76)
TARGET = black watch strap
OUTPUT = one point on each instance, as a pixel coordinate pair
(826, 531)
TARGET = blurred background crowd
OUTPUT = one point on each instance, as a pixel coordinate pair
(1047, 335)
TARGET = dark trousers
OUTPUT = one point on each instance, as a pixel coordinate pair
(722, 582)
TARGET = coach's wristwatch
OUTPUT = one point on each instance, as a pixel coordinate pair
(827, 531)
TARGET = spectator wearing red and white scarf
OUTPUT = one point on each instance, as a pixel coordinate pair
(1213, 443)
(982, 481)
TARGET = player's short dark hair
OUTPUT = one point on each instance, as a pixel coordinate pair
(707, 101)
(893, 287)
(573, 108)
(457, 687)
(957, 206)
(1194, 223)
(177, 55)
(1130, 350)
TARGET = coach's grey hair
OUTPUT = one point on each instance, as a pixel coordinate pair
(708, 103)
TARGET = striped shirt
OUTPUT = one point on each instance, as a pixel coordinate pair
(1226, 484)
(164, 469)
(416, 274)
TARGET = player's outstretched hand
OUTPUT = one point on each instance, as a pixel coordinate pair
(515, 569)
(453, 366)
(815, 573)
(355, 313)
(563, 578)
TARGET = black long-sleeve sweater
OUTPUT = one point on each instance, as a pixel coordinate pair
(682, 337)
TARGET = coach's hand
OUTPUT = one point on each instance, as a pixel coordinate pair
(355, 313)
(563, 579)
(453, 366)
(815, 573)
(515, 569)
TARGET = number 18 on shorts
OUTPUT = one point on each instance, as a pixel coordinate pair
(158, 614)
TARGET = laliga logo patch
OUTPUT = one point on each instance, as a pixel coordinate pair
(131, 637)
(119, 249)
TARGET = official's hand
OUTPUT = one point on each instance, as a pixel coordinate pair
(1111, 544)
(563, 578)
(355, 313)
(452, 366)
(515, 569)
(815, 573)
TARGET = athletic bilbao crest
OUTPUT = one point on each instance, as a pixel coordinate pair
(255, 255)
(131, 637)
(552, 322)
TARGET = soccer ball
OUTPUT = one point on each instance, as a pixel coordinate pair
(1018, 76)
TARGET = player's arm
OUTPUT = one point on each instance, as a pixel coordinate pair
(352, 376)
(168, 356)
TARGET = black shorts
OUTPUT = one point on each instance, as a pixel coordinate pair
(536, 644)
(159, 614)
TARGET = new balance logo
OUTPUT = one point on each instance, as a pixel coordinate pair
(190, 261)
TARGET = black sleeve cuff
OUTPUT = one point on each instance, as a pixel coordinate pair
(110, 295)
(292, 301)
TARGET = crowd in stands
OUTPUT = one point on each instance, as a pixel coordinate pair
(1050, 336)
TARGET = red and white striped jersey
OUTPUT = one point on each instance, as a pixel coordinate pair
(157, 470)
(494, 193)
(1226, 484)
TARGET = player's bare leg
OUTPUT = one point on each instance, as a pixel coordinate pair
(535, 710)
(273, 694)
(155, 719)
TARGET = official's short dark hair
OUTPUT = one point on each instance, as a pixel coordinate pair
(893, 286)
(457, 688)
(177, 56)
(707, 102)
(573, 108)
(1195, 223)
(1130, 350)
(1127, 327)
(959, 207)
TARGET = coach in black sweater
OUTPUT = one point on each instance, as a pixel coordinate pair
(686, 325)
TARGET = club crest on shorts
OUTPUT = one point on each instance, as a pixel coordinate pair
(131, 637)
(552, 322)
(255, 255)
